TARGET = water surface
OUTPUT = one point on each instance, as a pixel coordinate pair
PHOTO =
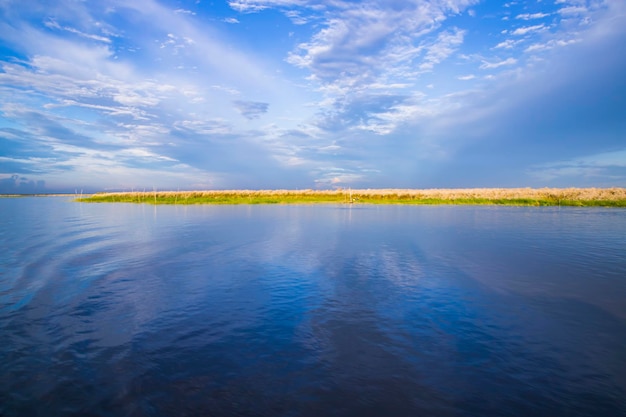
(136, 310)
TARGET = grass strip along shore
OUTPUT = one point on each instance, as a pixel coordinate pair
(580, 197)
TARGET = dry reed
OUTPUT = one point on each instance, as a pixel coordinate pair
(527, 196)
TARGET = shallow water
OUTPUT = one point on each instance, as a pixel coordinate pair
(136, 310)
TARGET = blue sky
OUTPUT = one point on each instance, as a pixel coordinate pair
(111, 95)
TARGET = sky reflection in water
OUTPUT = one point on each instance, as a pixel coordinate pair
(137, 310)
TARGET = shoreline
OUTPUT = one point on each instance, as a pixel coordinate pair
(577, 197)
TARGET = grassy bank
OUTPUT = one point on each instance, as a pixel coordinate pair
(581, 197)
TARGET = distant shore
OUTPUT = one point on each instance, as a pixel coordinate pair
(37, 195)
(580, 197)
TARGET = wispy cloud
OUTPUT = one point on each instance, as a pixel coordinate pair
(446, 44)
(607, 168)
(507, 44)
(254, 6)
(573, 10)
(531, 16)
(550, 45)
(527, 29)
(184, 11)
(498, 64)
(50, 23)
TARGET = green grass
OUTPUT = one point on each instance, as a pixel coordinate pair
(415, 197)
(211, 198)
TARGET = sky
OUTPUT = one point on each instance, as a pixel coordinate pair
(311, 94)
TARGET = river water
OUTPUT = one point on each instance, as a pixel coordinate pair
(317, 310)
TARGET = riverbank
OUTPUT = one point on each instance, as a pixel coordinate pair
(581, 197)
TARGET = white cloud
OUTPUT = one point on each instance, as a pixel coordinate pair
(66, 84)
(530, 16)
(333, 177)
(51, 23)
(205, 127)
(184, 11)
(507, 44)
(384, 86)
(253, 6)
(446, 44)
(229, 90)
(296, 17)
(536, 47)
(528, 29)
(359, 49)
(176, 42)
(573, 10)
(357, 43)
(134, 112)
(492, 65)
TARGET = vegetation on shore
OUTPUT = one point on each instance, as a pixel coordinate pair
(581, 197)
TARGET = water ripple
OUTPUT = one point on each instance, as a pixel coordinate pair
(126, 310)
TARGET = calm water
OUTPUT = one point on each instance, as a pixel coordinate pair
(130, 310)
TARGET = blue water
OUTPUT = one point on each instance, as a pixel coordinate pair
(136, 310)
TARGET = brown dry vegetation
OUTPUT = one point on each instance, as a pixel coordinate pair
(589, 194)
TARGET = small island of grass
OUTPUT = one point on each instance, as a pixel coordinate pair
(580, 197)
